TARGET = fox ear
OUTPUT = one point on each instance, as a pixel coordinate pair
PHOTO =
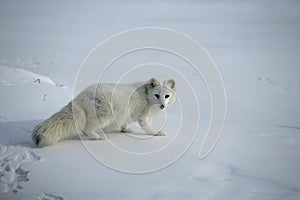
(171, 82)
(154, 82)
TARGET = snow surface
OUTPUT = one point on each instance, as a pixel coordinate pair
(256, 46)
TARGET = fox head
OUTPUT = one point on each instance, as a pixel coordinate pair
(161, 93)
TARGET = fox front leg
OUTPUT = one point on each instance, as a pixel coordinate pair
(144, 122)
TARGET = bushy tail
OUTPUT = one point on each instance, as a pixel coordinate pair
(59, 126)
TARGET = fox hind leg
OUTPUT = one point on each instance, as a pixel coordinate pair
(90, 131)
(124, 129)
(91, 134)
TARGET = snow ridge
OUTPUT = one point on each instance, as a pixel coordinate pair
(11, 76)
(46, 196)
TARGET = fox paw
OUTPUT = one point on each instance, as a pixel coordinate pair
(126, 130)
(97, 137)
(159, 133)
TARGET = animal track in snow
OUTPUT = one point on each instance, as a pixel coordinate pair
(278, 84)
(12, 174)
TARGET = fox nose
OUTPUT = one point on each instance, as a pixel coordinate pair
(162, 106)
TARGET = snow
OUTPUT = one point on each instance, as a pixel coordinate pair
(256, 46)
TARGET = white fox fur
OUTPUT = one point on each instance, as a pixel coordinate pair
(107, 106)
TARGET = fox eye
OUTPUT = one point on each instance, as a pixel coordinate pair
(167, 96)
(157, 96)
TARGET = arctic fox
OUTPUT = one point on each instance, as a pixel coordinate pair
(107, 106)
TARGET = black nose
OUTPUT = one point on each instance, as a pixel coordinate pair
(162, 106)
